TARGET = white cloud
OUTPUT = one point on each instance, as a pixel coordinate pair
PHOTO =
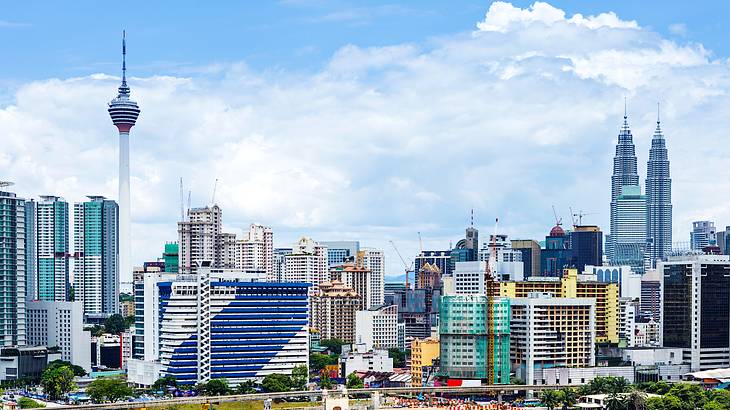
(383, 142)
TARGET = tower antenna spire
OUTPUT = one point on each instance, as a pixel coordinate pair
(625, 107)
(472, 217)
(657, 112)
(124, 57)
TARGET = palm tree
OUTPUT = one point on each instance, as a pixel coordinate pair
(636, 400)
(616, 402)
(618, 385)
(550, 398)
(569, 397)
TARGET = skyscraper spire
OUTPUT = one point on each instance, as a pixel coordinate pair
(123, 88)
(657, 113)
(658, 197)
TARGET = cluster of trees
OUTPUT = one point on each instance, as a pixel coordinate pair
(27, 403)
(109, 389)
(685, 396)
(58, 378)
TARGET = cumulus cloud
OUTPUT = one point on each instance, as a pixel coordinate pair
(383, 142)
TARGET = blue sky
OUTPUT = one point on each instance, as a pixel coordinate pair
(62, 39)
(370, 121)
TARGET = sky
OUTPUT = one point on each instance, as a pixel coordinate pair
(368, 121)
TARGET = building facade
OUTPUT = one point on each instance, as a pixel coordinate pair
(423, 354)
(628, 232)
(52, 249)
(339, 252)
(465, 334)
(530, 250)
(703, 234)
(96, 248)
(658, 200)
(12, 269)
(233, 325)
(374, 260)
(625, 173)
(256, 250)
(333, 311)
(200, 237)
(586, 245)
(307, 263)
(377, 328)
(551, 332)
(60, 324)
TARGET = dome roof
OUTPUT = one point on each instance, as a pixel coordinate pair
(557, 231)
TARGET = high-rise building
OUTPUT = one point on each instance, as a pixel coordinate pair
(658, 199)
(339, 252)
(230, 324)
(628, 232)
(703, 234)
(530, 250)
(60, 324)
(467, 249)
(377, 328)
(12, 268)
(442, 259)
(507, 262)
(570, 285)
(695, 309)
(256, 250)
(651, 295)
(374, 260)
(556, 255)
(201, 238)
(723, 240)
(124, 113)
(279, 263)
(52, 249)
(465, 335)
(333, 311)
(624, 173)
(307, 263)
(357, 278)
(586, 245)
(551, 332)
(96, 249)
(31, 250)
(469, 278)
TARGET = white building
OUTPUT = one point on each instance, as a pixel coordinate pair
(200, 238)
(307, 264)
(60, 324)
(362, 360)
(549, 332)
(703, 234)
(377, 328)
(468, 278)
(628, 280)
(374, 260)
(256, 251)
(52, 249)
(508, 265)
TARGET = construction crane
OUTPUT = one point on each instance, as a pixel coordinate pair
(420, 243)
(182, 204)
(558, 221)
(407, 268)
(580, 216)
(490, 289)
(215, 186)
(188, 216)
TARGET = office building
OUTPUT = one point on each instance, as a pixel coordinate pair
(124, 113)
(467, 249)
(279, 259)
(374, 260)
(442, 259)
(703, 235)
(362, 360)
(629, 282)
(722, 240)
(233, 325)
(201, 238)
(255, 251)
(377, 328)
(572, 285)
(389, 291)
(586, 245)
(423, 354)
(61, 325)
(695, 309)
(658, 199)
(31, 247)
(96, 268)
(507, 262)
(360, 280)
(12, 268)
(307, 263)
(530, 250)
(549, 332)
(339, 252)
(628, 232)
(25, 362)
(557, 255)
(651, 295)
(414, 313)
(333, 311)
(469, 278)
(465, 334)
(625, 173)
(52, 249)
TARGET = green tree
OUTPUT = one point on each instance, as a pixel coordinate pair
(354, 382)
(692, 395)
(215, 387)
(246, 387)
(335, 345)
(299, 377)
(617, 385)
(164, 382)
(655, 403)
(109, 389)
(27, 403)
(128, 321)
(57, 381)
(636, 400)
(398, 356)
(114, 324)
(78, 370)
(721, 397)
(325, 382)
(672, 402)
(568, 397)
(713, 405)
(273, 383)
(550, 398)
(318, 361)
(615, 401)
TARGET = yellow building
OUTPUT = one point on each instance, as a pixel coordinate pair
(573, 286)
(423, 352)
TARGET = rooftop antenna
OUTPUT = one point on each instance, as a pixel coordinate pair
(625, 116)
(472, 217)
(657, 112)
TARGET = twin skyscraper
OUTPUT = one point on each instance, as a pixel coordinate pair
(641, 225)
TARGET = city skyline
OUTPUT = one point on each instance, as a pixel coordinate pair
(328, 178)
